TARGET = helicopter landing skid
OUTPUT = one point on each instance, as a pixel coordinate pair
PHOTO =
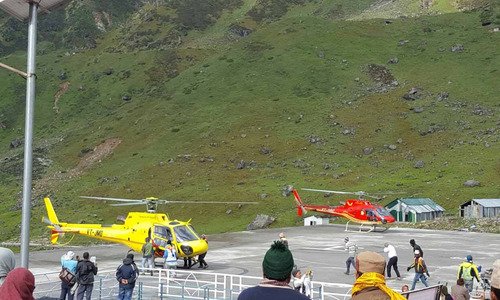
(372, 227)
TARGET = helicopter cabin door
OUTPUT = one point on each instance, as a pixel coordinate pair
(161, 234)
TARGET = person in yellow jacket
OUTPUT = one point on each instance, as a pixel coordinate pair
(370, 279)
(468, 271)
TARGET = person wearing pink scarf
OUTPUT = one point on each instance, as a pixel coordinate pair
(19, 285)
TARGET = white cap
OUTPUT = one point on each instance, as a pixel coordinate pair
(417, 252)
(69, 256)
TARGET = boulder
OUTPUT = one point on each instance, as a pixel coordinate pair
(261, 222)
(16, 143)
(457, 48)
(472, 183)
(419, 164)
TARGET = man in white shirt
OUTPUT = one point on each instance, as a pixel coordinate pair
(393, 260)
(352, 249)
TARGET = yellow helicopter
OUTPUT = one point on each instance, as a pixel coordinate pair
(138, 226)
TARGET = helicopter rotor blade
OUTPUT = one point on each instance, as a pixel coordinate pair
(160, 201)
(111, 199)
(328, 191)
(127, 204)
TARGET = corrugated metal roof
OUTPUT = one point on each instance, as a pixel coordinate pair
(488, 202)
(419, 205)
(20, 8)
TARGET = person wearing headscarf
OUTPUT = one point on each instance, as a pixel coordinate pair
(495, 281)
(18, 285)
(370, 279)
(7, 263)
(277, 271)
(68, 262)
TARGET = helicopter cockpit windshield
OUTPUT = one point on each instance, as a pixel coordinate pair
(383, 212)
(185, 234)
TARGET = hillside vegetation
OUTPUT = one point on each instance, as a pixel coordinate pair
(236, 99)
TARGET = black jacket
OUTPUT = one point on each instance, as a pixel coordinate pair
(127, 270)
(85, 271)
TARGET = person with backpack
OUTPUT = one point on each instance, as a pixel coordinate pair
(85, 271)
(468, 271)
(351, 248)
(69, 263)
(420, 269)
(126, 274)
(170, 256)
(148, 257)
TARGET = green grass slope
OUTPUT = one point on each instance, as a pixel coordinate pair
(215, 117)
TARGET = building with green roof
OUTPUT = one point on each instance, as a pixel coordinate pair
(414, 209)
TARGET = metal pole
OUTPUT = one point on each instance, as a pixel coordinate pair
(28, 135)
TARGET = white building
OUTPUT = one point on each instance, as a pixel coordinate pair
(313, 220)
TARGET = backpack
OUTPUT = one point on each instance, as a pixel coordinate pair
(66, 276)
(466, 273)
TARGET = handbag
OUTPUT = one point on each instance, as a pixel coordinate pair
(66, 276)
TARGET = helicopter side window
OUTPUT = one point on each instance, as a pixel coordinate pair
(163, 232)
(370, 215)
(184, 234)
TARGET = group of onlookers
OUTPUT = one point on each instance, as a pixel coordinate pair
(370, 270)
(281, 278)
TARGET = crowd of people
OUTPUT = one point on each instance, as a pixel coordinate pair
(281, 276)
(282, 279)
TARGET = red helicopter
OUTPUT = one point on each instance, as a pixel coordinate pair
(359, 211)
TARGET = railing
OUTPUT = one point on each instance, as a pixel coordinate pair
(180, 284)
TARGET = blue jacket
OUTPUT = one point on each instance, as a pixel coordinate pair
(127, 270)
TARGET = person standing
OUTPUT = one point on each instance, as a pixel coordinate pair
(393, 260)
(201, 257)
(148, 257)
(85, 271)
(7, 263)
(126, 274)
(170, 256)
(277, 270)
(416, 247)
(468, 271)
(351, 248)
(495, 281)
(282, 238)
(420, 269)
(370, 281)
(68, 262)
(459, 291)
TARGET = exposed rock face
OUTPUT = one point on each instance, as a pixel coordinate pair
(239, 30)
(260, 222)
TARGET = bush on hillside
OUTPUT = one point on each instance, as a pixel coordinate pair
(82, 31)
(472, 4)
(195, 14)
(272, 9)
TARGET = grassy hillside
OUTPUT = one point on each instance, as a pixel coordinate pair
(309, 98)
